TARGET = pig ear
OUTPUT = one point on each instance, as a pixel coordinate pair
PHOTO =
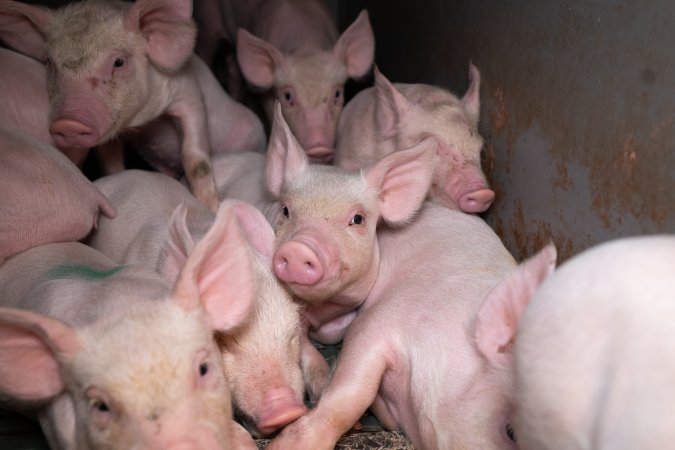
(256, 228)
(23, 28)
(31, 348)
(402, 180)
(390, 105)
(502, 309)
(178, 245)
(285, 157)
(218, 274)
(356, 46)
(471, 99)
(168, 29)
(258, 59)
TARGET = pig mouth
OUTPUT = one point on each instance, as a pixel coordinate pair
(320, 154)
(326, 288)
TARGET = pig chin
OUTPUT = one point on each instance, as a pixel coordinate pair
(440, 197)
(319, 292)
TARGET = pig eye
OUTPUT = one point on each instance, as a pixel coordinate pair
(203, 369)
(119, 62)
(285, 211)
(357, 220)
(338, 94)
(289, 98)
(510, 432)
(100, 406)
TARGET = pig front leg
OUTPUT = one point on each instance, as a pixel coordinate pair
(196, 151)
(351, 391)
(241, 438)
(315, 369)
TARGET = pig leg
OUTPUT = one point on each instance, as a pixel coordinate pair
(110, 157)
(241, 438)
(315, 369)
(353, 388)
(195, 151)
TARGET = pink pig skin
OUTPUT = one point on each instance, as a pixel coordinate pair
(429, 349)
(267, 363)
(110, 356)
(326, 246)
(25, 108)
(45, 198)
(390, 117)
(595, 356)
(291, 50)
(116, 66)
(241, 176)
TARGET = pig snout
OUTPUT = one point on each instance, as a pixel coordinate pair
(477, 200)
(279, 408)
(297, 262)
(69, 133)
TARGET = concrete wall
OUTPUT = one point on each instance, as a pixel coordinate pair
(578, 105)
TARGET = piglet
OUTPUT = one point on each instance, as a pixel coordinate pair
(115, 66)
(291, 50)
(326, 247)
(389, 117)
(45, 198)
(595, 354)
(111, 356)
(267, 361)
(430, 348)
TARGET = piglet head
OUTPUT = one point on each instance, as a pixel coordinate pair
(309, 83)
(326, 243)
(99, 56)
(422, 111)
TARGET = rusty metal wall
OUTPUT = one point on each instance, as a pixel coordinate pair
(578, 105)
